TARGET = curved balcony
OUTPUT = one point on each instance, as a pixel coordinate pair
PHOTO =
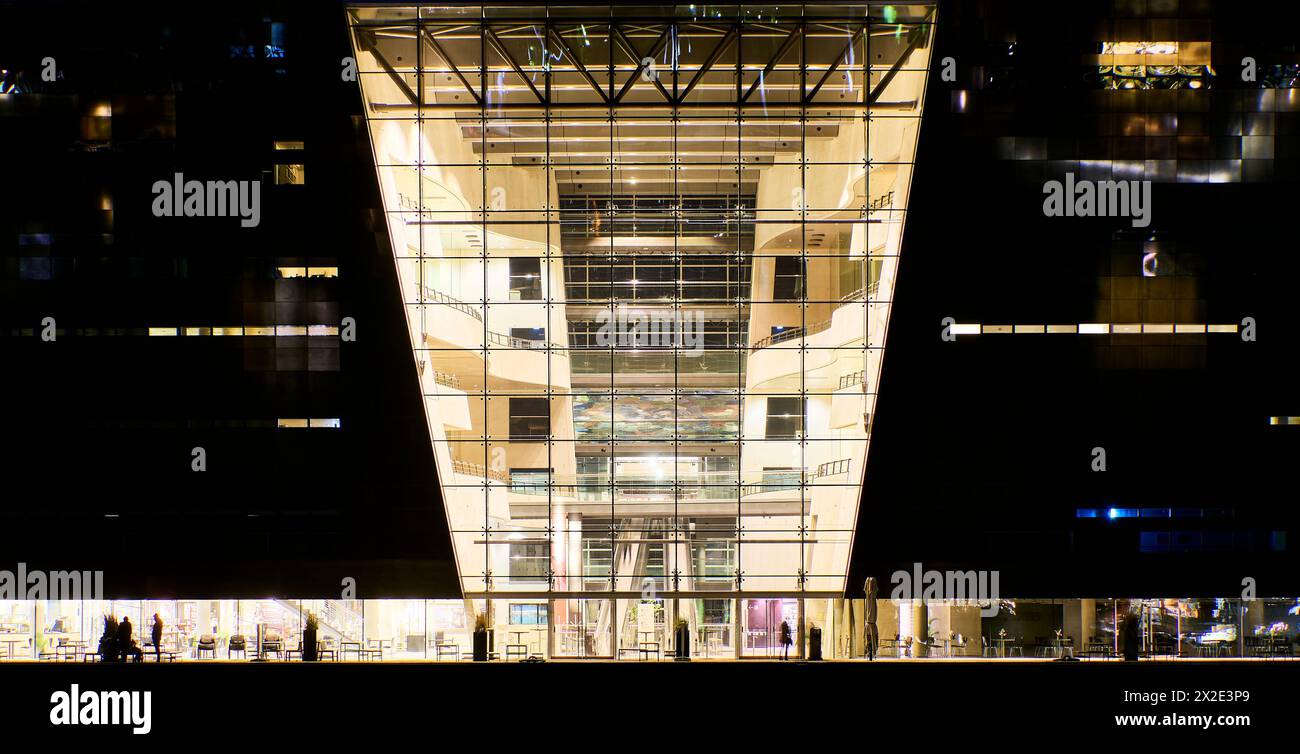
(459, 348)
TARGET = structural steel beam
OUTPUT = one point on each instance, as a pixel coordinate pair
(582, 69)
(454, 68)
(835, 64)
(708, 63)
(912, 44)
(627, 44)
(367, 41)
(771, 64)
(491, 37)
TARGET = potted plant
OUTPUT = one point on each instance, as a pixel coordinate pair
(682, 639)
(480, 638)
(814, 643)
(309, 638)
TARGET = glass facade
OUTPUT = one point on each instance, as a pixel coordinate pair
(647, 257)
(723, 628)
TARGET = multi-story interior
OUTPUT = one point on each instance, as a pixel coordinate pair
(647, 260)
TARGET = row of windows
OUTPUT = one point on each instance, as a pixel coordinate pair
(47, 267)
(530, 420)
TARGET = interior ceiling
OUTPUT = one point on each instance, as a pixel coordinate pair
(612, 128)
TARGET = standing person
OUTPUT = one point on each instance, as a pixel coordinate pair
(125, 644)
(786, 640)
(872, 636)
(1131, 637)
(156, 635)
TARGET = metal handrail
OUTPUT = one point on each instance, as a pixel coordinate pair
(501, 339)
(441, 298)
(793, 333)
(801, 332)
(478, 470)
(856, 378)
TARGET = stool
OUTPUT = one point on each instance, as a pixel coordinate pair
(516, 649)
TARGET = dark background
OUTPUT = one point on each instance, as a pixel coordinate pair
(982, 447)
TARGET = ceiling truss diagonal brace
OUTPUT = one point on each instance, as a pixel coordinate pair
(630, 49)
(918, 36)
(455, 69)
(708, 64)
(496, 43)
(366, 41)
(582, 69)
(780, 53)
(808, 98)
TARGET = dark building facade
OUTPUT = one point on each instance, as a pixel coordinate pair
(175, 333)
(991, 453)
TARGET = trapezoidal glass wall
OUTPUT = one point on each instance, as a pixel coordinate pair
(647, 256)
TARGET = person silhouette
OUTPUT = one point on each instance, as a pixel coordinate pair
(125, 644)
(872, 634)
(156, 635)
(787, 639)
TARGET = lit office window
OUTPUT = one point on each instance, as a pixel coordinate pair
(530, 419)
(289, 175)
(525, 279)
(785, 417)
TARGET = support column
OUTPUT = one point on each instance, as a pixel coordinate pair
(920, 625)
(801, 630)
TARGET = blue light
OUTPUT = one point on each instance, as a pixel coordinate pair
(1112, 513)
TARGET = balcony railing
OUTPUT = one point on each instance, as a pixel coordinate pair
(793, 333)
(479, 470)
(857, 378)
(509, 341)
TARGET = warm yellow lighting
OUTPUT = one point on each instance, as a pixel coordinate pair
(162, 332)
(1029, 329)
(1093, 328)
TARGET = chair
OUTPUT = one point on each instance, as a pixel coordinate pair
(237, 644)
(272, 643)
(988, 648)
(207, 643)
